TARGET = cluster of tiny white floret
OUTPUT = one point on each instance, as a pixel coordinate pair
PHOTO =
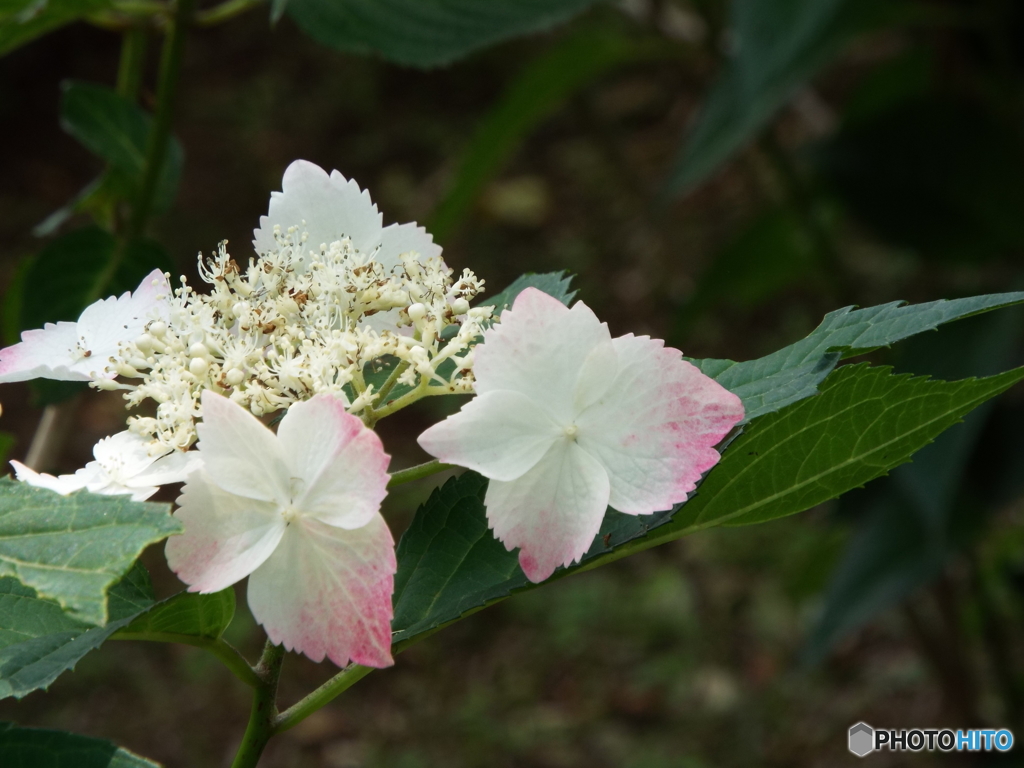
(298, 323)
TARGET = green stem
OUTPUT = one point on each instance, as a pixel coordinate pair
(224, 651)
(129, 71)
(224, 11)
(417, 472)
(388, 385)
(159, 134)
(263, 716)
(323, 695)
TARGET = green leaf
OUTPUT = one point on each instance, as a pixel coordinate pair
(38, 641)
(73, 548)
(542, 87)
(778, 47)
(449, 564)
(187, 613)
(426, 33)
(552, 283)
(865, 422)
(117, 130)
(38, 748)
(916, 519)
(24, 20)
(767, 384)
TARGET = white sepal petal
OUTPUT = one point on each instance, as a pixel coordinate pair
(553, 512)
(326, 591)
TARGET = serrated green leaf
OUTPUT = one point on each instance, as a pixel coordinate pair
(187, 613)
(24, 20)
(543, 85)
(449, 564)
(426, 33)
(38, 641)
(769, 383)
(38, 748)
(117, 130)
(912, 522)
(865, 422)
(778, 47)
(552, 283)
(73, 548)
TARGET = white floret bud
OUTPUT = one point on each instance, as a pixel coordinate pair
(158, 328)
(417, 312)
(460, 307)
(235, 376)
(198, 367)
(198, 350)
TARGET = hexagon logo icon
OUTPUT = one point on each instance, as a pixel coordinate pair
(862, 738)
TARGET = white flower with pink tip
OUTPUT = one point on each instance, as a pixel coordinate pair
(81, 351)
(298, 513)
(569, 420)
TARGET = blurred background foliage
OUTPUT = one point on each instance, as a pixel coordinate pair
(719, 173)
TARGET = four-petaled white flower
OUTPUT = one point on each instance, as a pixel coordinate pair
(569, 420)
(124, 464)
(299, 514)
(81, 351)
(331, 208)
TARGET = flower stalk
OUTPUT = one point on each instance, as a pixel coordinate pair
(263, 714)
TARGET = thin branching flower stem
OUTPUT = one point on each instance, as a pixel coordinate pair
(418, 472)
(326, 693)
(263, 716)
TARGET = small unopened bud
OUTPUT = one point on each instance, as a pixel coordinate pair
(145, 343)
(235, 376)
(158, 328)
(198, 367)
(198, 350)
(417, 312)
(107, 384)
(460, 307)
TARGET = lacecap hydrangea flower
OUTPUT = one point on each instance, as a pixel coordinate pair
(298, 513)
(568, 420)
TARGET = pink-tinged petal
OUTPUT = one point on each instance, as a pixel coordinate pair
(332, 208)
(226, 536)
(539, 349)
(50, 353)
(655, 429)
(553, 512)
(341, 463)
(63, 485)
(500, 434)
(399, 239)
(241, 454)
(153, 294)
(326, 591)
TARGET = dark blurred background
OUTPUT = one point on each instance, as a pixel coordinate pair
(857, 158)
